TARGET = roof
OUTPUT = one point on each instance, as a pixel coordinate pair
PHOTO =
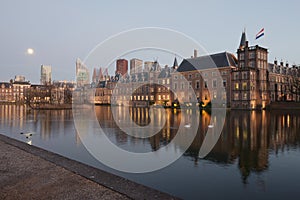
(165, 73)
(243, 40)
(6, 84)
(218, 60)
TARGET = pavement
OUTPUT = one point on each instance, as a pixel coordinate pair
(28, 172)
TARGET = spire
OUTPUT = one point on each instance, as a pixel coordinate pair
(243, 40)
(175, 65)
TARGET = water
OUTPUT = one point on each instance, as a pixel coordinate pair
(257, 155)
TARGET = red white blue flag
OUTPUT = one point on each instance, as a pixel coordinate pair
(260, 33)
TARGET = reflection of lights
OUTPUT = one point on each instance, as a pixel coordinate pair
(288, 120)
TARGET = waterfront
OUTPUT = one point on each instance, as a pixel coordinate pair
(256, 155)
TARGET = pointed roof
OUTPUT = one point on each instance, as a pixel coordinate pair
(243, 40)
(175, 63)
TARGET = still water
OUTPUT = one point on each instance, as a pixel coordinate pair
(257, 155)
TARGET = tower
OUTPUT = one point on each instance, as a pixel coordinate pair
(250, 78)
(122, 66)
(46, 74)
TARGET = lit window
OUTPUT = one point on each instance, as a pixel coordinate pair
(236, 86)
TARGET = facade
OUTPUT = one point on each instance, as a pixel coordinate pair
(122, 66)
(208, 76)
(250, 78)
(46, 74)
(284, 82)
(6, 92)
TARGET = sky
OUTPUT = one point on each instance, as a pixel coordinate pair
(60, 31)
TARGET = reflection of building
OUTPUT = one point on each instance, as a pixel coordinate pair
(46, 73)
(82, 74)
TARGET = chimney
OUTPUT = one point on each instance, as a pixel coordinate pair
(247, 43)
(281, 63)
(195, 53)
(275, 62)
(287, 64)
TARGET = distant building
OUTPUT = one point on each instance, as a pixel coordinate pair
(122, 66)
(6, 92)
(82, 74)
(46, 74)
(136, 66)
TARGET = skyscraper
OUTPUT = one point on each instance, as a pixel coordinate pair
(82, 74)
(46, 74)
(136, 66)
(122, 66)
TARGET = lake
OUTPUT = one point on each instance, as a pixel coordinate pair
(256, 156)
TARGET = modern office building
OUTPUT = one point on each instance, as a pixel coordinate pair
(46, 74)
(82, 74)
(122, 66)
(136, 66)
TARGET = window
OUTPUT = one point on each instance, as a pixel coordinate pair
(190, 85)
(224, 83)
(245, 95)
(252, 55)
(182, 86)
(214, 83)
(197, 84)
(236, 86)
(244, 86)
(236, 76)
(159, 97)
(242, 64)
(175, 86)
(190, 76)
(175, 77)
(245, 75)
(236, 96)
(168, 81)
(215, 95)
(213, 73)
(205, 83)
(242, 56)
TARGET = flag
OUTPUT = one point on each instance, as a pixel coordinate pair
(260, 33)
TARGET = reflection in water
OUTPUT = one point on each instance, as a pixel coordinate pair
(247, 137)
(248, 141)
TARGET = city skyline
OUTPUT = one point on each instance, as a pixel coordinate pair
(59, 32)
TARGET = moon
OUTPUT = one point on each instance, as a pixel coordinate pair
(30, 51)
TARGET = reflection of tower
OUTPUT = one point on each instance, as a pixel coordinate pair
(46, 73)
(122, 66)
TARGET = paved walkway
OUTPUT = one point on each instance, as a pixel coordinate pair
(28, 172)
(26, 176)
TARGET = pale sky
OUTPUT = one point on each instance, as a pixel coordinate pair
(61, 31)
